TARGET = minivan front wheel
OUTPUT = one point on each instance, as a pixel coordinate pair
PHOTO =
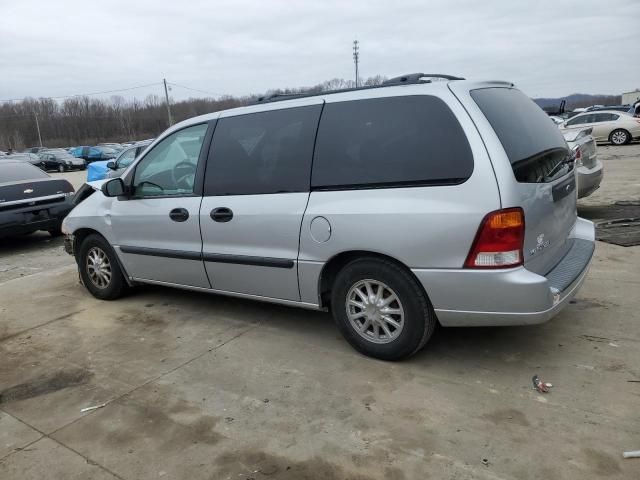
(381, 309)
(619, 137)
(99, 268)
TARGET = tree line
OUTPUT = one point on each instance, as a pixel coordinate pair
(87, 121)
(83, 120)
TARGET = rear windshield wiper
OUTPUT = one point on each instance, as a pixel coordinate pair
(568, 160)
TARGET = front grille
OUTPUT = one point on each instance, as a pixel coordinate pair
(31, 203)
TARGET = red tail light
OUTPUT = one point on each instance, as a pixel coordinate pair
(577, 155)
(498, 243)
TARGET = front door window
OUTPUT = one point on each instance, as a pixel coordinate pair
(169, 169)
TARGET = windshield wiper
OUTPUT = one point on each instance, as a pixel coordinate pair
(567, 161)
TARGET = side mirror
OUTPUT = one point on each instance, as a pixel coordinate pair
(111, 165)
(113, 188)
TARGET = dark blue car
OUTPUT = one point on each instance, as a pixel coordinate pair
(92, 154)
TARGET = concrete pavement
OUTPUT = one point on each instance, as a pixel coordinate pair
(199, 386)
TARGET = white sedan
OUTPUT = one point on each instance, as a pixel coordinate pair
(608, 126)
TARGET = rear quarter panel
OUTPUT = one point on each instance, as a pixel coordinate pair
(422, 227)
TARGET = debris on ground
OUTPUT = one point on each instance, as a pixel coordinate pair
(633, 454)
(95, 407)
(539, 385)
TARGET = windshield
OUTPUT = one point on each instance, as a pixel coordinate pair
(107, 150)
(534, 145)
(16, 171)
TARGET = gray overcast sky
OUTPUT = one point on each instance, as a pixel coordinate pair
(548, 48)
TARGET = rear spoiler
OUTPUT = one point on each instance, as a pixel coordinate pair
(573, 135)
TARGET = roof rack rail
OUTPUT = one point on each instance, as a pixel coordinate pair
(278, 96)
(411, 78)
(418, 78)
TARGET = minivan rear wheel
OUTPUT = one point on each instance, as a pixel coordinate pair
(99, 268)
(619, 137)
(381, 310)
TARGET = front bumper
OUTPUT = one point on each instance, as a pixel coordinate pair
(514, 296)
(589, 179)
(28, 219)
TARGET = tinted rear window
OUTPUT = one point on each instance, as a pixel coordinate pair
(533, 144)
(388, 142)
(15, 172)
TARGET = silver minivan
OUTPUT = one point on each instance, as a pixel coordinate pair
(398, 208)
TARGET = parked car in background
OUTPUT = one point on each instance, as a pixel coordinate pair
(115, 146)
(589, 169)
(31, 200)
(608, 126)
(114, 168)
(243, 210)
(93, 154)
(31, 158)
(617, 108)
(557, 120)
(60, 160)
(34, 149)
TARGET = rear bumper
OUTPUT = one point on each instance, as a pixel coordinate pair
(510, 297)
(589, 179)
(29, 219)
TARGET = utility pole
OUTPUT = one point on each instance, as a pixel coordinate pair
(166, 96)
(356, 60)
(38, 128)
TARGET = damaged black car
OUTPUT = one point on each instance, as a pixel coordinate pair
(31, 200)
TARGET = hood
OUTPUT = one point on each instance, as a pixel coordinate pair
(573, 135)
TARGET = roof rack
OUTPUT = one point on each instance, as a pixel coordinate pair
(411, 78)
(418, 78)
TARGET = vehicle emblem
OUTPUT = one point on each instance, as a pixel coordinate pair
(541, 244)
(28, 190)
(568, 187)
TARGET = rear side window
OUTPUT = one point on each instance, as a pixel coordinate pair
(578, 120)
(15, 172)
(534, 145)
(266, 152)
(409, 140)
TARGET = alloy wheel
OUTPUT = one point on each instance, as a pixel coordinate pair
(375, 311)
(619, 137)
(98, 267)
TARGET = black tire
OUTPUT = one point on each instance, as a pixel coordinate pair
(419, 321)
(619, 137)
(116, 285)
(61, 168)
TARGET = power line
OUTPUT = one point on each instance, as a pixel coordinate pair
(194, 89)
(86, 94)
